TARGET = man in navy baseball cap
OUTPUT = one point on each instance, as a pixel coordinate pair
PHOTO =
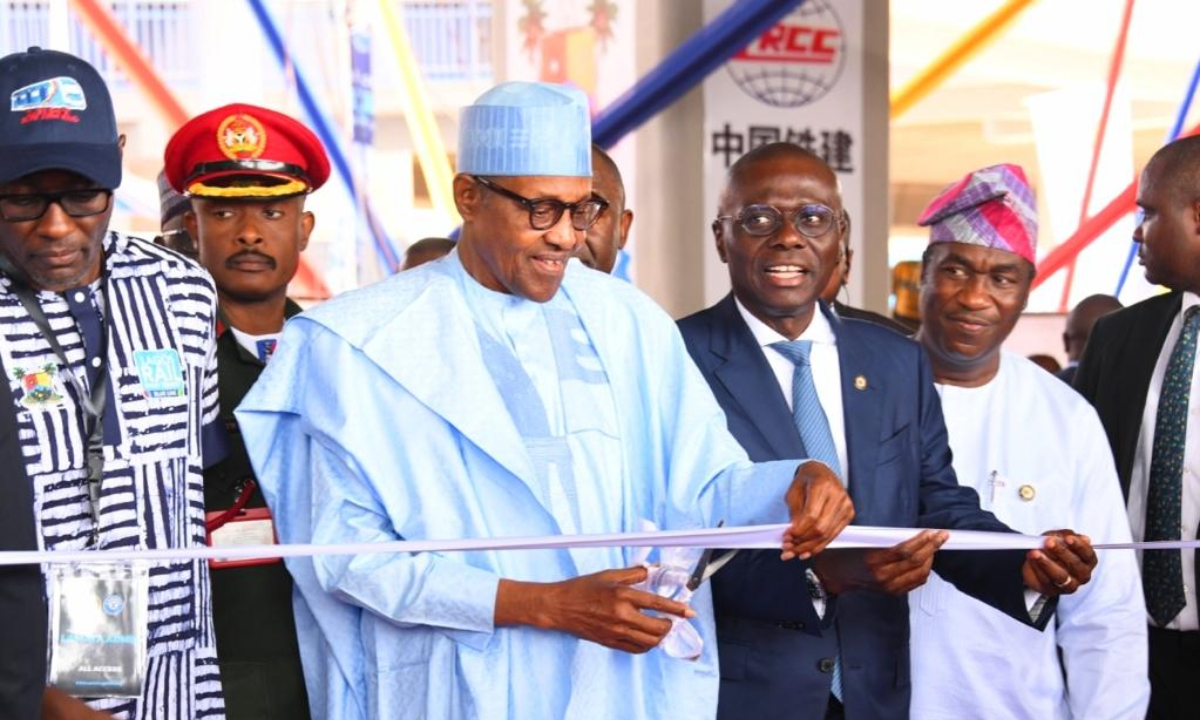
(59, 147)
(58, 144)
(60, 118)
(123, 372)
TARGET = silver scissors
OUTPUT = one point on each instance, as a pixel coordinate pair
(707, 566)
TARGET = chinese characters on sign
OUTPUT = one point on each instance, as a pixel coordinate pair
(800, 81)
(832, 145)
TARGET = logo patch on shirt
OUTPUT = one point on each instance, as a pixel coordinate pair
(160, 372)
(52, 99)
(39, 386)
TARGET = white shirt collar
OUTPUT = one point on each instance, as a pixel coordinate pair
(1190, 299)
(819, 330)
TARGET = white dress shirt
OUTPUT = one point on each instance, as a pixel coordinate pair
(826, 372)
(1139, 481)
(827, 377)
(1036, 453)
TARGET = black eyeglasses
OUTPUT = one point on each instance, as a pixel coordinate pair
(76, 203)
(811, 221)
(544, 213)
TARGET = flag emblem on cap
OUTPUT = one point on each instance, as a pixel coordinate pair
(241, 137)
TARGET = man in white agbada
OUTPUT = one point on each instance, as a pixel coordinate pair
(1037, 455)
(471, 397)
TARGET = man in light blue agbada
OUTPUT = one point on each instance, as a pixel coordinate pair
(505, 391)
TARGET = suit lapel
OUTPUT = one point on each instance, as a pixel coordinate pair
(861, 398)
(1144, 346)
(745, 373)
(1150, 334)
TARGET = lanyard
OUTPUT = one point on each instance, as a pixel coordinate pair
(93, 403)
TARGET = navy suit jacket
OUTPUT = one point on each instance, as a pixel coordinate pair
(775, 654)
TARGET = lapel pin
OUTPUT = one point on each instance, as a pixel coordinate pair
(860, 382)
(1027, 492)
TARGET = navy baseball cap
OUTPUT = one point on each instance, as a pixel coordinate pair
(60, 118)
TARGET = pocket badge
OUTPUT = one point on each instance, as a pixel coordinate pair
(160, 373)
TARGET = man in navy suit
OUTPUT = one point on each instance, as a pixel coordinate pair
(828, 638)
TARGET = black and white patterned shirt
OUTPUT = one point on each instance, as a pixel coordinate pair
(157, 439)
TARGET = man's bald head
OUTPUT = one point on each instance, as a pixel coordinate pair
(763, 155)
(1168, 233)
(1082, 318)
(604, 239)
(426, 250)
(779, 230)
(1176, 166)
(603, 164)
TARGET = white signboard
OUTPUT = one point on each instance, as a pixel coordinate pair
(801, 81)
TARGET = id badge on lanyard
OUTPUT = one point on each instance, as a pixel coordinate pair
(98, 621)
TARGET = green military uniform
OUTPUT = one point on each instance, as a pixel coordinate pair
(252, 606)
(248, 154)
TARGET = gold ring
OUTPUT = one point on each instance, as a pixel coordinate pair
(1064, 583)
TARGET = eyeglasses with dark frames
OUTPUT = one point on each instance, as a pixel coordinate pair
(811, 221)
(544, 213)
(24, 207)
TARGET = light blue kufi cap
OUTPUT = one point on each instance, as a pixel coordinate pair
(526, 128)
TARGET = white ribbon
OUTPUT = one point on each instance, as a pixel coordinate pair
(766, 537)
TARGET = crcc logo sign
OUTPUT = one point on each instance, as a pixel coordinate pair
(795, 62)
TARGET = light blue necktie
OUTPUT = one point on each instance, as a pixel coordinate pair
(806, 405)
(810, 420)
(1162, 570)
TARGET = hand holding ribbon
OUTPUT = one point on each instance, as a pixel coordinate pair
(820, 509)
(895, 570)
(1061, 566)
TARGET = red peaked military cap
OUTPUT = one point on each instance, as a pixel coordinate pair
(245, 151)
